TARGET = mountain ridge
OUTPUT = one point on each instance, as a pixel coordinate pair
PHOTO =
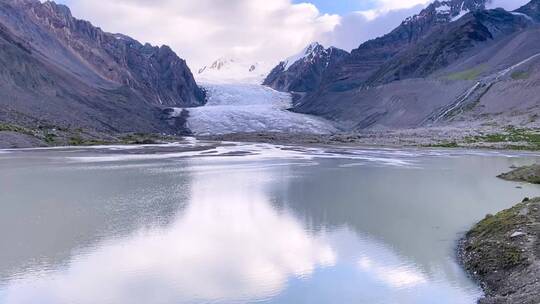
(303, 72)
(64, 72)
(428, 63)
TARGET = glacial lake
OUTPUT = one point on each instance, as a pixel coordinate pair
(196, 223)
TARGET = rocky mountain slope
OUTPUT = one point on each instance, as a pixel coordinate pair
(364, 61)
(62, 72)
(304, 71)
(454, 62)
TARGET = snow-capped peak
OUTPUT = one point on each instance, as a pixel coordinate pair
(233, 70)
(308, 53)
(448, 10)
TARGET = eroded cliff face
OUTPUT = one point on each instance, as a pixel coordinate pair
(65, 71)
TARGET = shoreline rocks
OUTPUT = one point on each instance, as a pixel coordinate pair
(529, 174)
(502, 252)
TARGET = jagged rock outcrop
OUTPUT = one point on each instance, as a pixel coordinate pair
(60, 70)
(304, 72)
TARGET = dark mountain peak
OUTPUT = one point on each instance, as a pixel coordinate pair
(313, 52)
(102, 58)
(303, 72)
(372, 54)
(436, 14)
(59, 9)
(314, 48)
(445, 11)
(58, 15)
(448, 44)
(531, 9)
(54, 63)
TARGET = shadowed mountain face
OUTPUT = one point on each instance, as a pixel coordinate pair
(364, 61)
(532, 9)
(449, 63)
(304, 72)
(447, 44)
(336, 70)
(63, 71)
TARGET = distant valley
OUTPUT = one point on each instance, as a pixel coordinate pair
(456, 64)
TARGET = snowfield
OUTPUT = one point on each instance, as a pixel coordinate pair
(233, 70)
(250, 108)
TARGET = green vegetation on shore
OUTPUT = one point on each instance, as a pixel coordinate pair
(452, 144)
(6, 127)
(48, 135)
(500, 252)
(513, 138)
(489, 241)
(470, 74)
(528, 174)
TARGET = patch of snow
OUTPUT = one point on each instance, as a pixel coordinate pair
(517, 234)
(443, 9)
(233, 70)
(523, 15)
(249, 108)
(120, 37)
(462, 13)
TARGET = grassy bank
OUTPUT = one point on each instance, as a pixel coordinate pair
(15, 136)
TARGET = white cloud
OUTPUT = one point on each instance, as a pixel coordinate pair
(358, 27)
(256, 30)
(206, 29)
(508, 4)
(384, 6)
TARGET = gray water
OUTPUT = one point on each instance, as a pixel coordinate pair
(244, 223)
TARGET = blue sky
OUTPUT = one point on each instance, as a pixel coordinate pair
(340, 6)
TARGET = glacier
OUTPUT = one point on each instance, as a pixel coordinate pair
(250, 108)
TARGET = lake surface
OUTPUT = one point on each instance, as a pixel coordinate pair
(244, 223)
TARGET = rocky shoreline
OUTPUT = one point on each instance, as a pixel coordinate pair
(36, 138)
(502, 252)
(508, 138)
(528, 174)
